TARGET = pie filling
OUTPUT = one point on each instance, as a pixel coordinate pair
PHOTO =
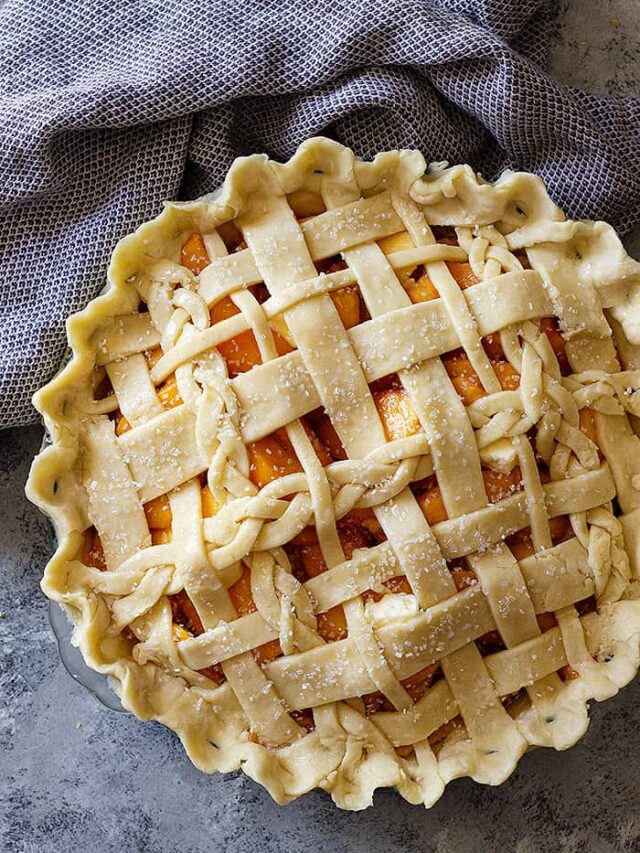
(359, 467)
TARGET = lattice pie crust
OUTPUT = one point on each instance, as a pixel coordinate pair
(337, 499)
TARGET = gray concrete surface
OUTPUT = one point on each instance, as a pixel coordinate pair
(75, 776)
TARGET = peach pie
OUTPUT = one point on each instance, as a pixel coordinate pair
(345, 473)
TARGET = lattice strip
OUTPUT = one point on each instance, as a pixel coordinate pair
(135, 393)
(317, 331)
(114, 503)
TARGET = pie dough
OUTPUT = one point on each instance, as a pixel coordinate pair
(308, 564)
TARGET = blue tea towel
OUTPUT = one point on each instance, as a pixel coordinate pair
(107, 107)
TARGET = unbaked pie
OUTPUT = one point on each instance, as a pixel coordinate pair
(345, 475)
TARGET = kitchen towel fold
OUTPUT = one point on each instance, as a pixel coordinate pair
(108, 107)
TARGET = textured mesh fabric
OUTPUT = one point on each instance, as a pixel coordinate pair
(107, 107)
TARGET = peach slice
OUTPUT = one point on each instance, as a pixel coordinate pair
(500, 485)
(332, 624)
(194, 255)
(464, 378)
(398, 416)
(270, 458)
(161, 537)
(325, 431)
(347, 302)
(432, 505)
(210, 505)
(93, 552)
(462, 273)
(508, 376)
(588, 424)
(158, 513)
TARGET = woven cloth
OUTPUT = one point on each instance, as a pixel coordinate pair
(108, 107)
